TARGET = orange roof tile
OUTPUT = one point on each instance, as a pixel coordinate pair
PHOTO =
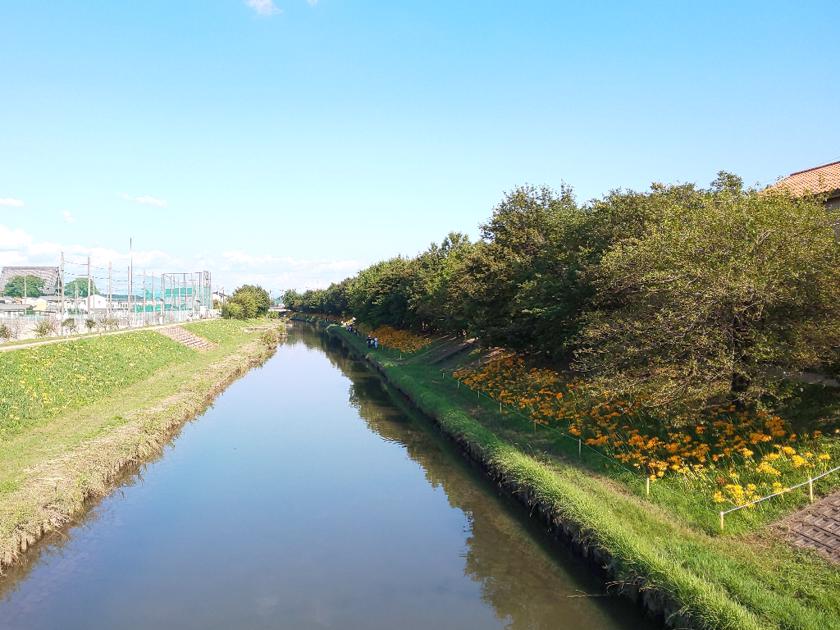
(817, 180)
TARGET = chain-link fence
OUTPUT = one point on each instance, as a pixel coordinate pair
(82, 295)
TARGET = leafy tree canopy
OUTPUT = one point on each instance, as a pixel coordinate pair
(24, 286)
(79, 287)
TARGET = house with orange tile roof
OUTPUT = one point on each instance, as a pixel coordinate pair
(819, 180)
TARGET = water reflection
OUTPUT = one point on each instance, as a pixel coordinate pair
(531, 581)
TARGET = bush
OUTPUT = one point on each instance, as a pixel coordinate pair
(5, 332)
(247, 302)
(108, 323)
(45, 328)
(233, 310)
(272, 336)
(90, 324)
(69, 325)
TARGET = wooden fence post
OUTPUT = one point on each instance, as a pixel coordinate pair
(721, 521)
(811, 489)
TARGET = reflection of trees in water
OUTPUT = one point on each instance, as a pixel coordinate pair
(509, 557)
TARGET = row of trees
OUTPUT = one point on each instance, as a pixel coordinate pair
(33, 286)
(679, 296)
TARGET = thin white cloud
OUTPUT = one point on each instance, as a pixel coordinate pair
(146, 200)
(18, 247)
(312, 3)
(9, 202)
(283, 272)
(263, 7)
(68, 217)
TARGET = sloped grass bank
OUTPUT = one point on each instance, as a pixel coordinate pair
(681, 573)
(41, 382)
(53, 464)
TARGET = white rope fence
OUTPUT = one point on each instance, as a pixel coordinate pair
(809, 482)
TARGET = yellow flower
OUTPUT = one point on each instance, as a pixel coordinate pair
(767, 469)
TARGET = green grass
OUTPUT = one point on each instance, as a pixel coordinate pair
(41, 382)
(222, 330)
(730, 581)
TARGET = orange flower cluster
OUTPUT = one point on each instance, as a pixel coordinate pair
(758, 444)
(402, 340)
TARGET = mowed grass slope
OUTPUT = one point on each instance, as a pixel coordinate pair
(84, 409)
(752, 580)
(39, 383)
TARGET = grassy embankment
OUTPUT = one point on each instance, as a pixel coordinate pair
(74, 414)
(738, 579)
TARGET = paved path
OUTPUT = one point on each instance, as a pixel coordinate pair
(817, 527)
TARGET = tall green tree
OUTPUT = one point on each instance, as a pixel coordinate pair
(520, 284)
(709, 301)
(79, 287)
(24, 286)
(247, 302)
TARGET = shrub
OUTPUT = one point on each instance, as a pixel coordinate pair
(108, 323)
(90, 324)
(69, 325)
(5, 332)
(233, 310)
(45, 327)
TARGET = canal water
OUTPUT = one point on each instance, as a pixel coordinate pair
(308, 496)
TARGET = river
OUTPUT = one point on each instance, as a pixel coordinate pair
(307, 496)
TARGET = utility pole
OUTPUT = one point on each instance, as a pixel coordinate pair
(130, 279)
(144, 297)
(89, 298)
(110, 294)
(61, 284)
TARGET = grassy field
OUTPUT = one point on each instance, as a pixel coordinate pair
(37, 384)
(743, 578)
(85, 409)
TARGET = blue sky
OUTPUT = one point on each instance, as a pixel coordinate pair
(291, 142)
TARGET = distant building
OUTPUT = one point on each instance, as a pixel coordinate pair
(819, 180)
(48, 274)
(13, 310)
